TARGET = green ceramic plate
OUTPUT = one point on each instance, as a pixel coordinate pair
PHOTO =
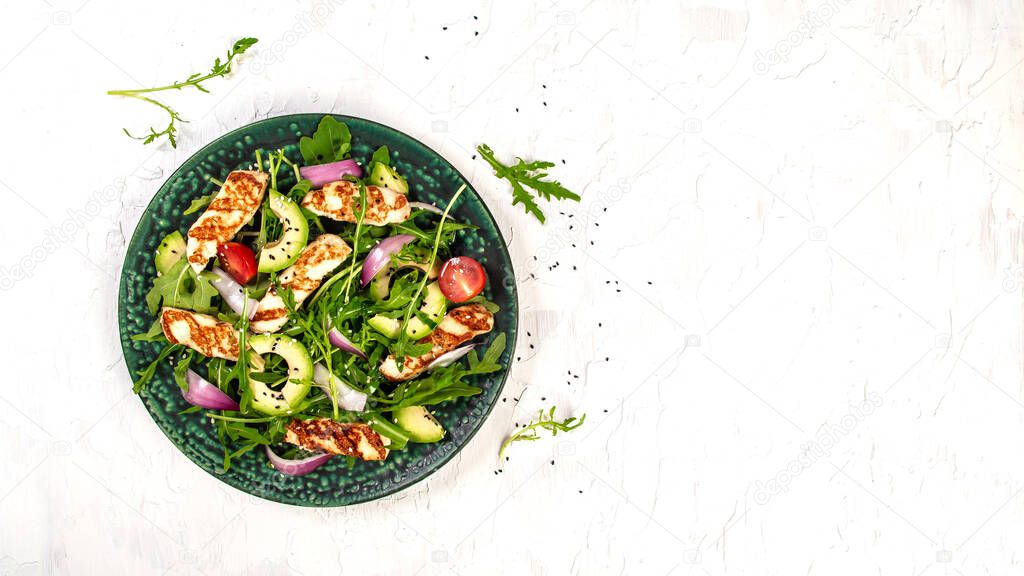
(432, 179)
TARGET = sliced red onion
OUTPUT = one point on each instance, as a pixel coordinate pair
(427, 207)
(297, 467)
(332, 172)
(347, 397)
(233, 294)
(449, 358)
(339, 340)
(205, 395)
(380, 256)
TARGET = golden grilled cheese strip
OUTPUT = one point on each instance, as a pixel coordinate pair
(338, 201)
(200, 332)
(230, 209)
(317, 260)
(345, 438)
(460, 325)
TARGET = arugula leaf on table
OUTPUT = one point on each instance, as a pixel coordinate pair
(196, 80)
(523, 175)
(331, 142)
(181, 287)
(545, 421)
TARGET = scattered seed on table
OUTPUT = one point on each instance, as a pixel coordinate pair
(444, 27)
(427, 57)
(531, 346)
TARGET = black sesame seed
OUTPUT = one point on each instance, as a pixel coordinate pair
(426, 57)
(552, 462)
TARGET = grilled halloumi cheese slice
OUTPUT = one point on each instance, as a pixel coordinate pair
(230, 209)
(460, 325)
(338, 201)
(318, 259)
(200, 332)
(345, 438)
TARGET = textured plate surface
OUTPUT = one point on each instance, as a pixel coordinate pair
(431, 179)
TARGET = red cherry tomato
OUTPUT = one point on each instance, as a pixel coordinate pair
(462, 278)
(238, 261)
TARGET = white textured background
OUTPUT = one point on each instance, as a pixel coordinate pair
(799, 249)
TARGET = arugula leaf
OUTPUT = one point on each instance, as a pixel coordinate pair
(445, 384)
(380, 156)
(523, 175)
(331, 142)
(154, 334)
(181, 287)
(181, 369)
(490, 306)
(146, 375)
(199, 203)
(489, 362)
(196, 80)
(545, 421)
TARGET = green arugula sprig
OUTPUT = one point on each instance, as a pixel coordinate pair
(545, 421)
(331, 142)
(523, 175)
(181, 287)
(403, 338)
(219, 68)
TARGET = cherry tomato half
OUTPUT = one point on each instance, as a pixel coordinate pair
(237, 260)
(462, 278)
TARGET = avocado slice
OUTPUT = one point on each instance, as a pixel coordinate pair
(386, 177)
(380, 286)
(300, 374)
(170, 250)
(434, 306)
(419, 423)
(283, 252)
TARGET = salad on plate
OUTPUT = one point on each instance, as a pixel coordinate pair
(322, 320)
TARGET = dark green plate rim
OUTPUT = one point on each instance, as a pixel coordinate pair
(135, 245)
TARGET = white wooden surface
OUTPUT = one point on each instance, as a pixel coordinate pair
(799, 250)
